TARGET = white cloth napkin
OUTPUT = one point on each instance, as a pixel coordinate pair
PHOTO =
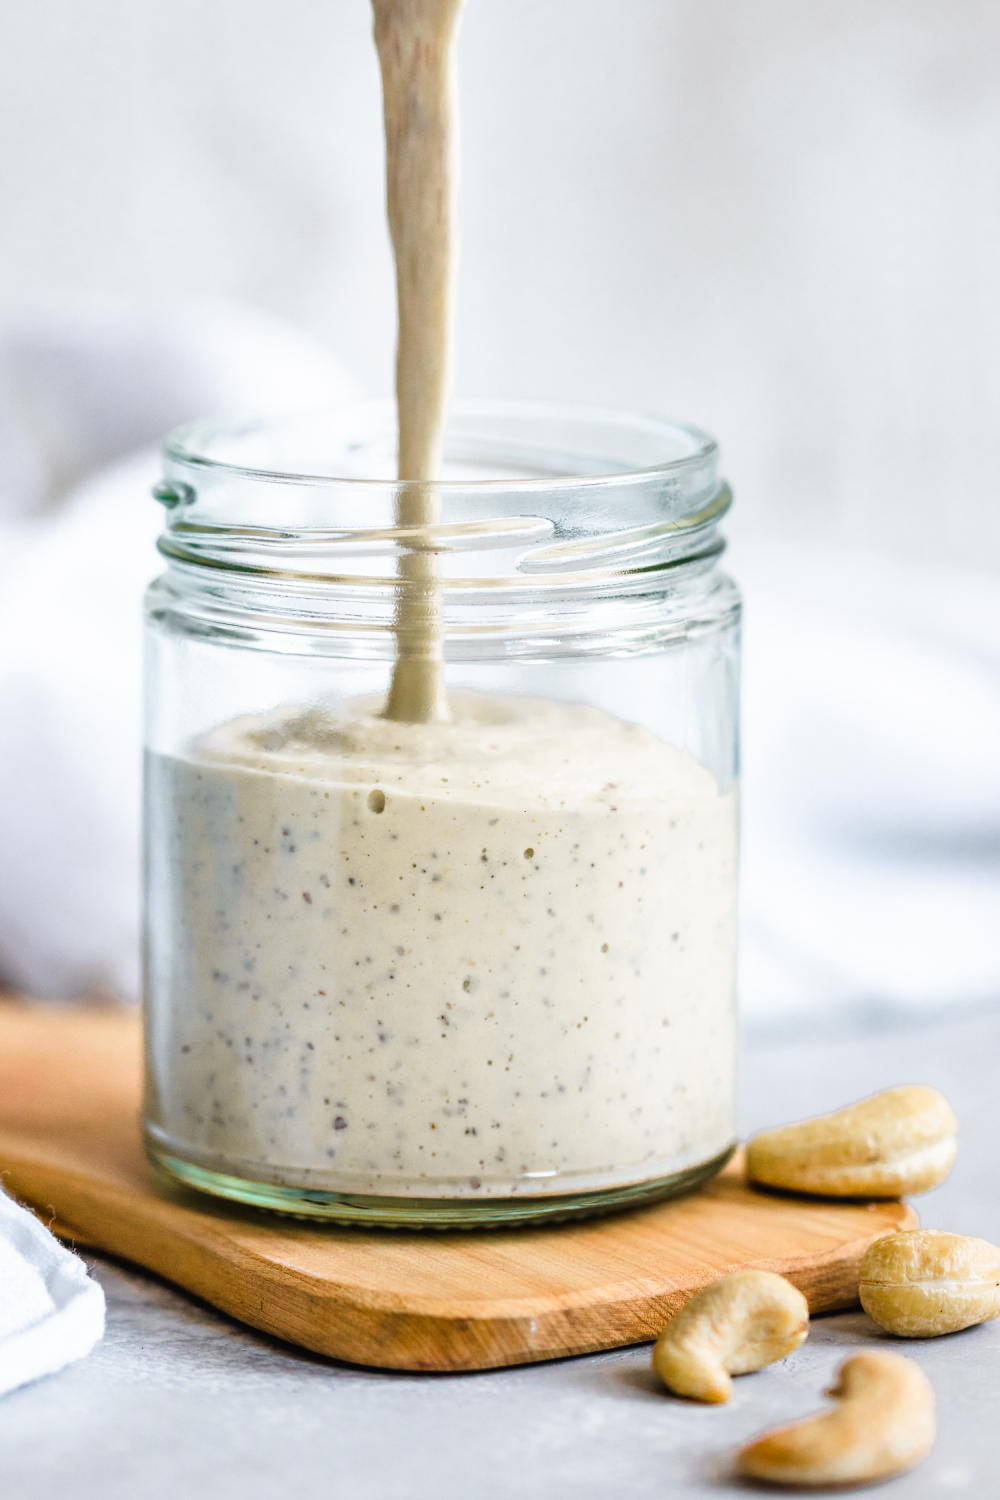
(83, 383)
(51, 1311)
(871, 830)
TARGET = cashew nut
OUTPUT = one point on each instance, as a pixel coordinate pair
(922, 1282)
(883, 1422)
(900, 1141)
(740, 1323)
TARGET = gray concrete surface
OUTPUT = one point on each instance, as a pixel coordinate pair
(179, 1401)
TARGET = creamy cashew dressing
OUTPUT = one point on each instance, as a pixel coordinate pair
(489, 956)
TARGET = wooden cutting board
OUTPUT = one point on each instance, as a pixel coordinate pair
(69, 1147)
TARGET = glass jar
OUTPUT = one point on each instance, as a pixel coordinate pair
(442, 974)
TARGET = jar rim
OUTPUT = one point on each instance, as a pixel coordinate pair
(544, 495)
(187, 444)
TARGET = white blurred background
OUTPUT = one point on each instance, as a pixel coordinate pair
(779, 220)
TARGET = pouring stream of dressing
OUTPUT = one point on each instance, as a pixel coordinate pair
(415, 41)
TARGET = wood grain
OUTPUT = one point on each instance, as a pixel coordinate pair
(69, 1147)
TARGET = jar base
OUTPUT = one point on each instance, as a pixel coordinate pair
(377, 1211)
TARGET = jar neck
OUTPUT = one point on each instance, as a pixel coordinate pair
(541, 523)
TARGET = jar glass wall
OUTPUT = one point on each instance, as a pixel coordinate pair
(455, 973)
